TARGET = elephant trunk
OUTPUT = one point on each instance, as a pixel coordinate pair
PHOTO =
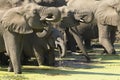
(51, 14)
(60, 44)
(44, 33)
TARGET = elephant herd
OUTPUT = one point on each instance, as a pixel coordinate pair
(35, 28)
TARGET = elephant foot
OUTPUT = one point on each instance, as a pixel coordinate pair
(104, 52)
(114, 52)
(88, 58)
(10, 69)
(49, 59)
(18, 72)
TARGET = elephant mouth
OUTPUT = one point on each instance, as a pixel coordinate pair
(45, 23)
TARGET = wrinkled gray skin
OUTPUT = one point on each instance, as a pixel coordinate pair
(44, 46)
(14, 30)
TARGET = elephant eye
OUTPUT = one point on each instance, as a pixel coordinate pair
(34, 11)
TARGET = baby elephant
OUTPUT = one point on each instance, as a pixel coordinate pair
(42, 45)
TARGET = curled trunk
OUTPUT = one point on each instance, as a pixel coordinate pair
(51, 14)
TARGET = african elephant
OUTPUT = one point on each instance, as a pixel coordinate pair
(108, 19)
(43, 45)
(87, 30)
(94, 10)
(14, 31)
(101, 15)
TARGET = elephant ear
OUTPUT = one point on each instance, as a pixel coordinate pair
(15, 22)
(106, 13)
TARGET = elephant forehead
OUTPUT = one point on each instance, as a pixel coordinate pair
(31, 6)
(106, 13)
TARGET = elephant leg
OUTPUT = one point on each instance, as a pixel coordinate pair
(104, 38)
(10, 67)
(13, 44)
(104, 51)
(39, 54)
(50, 58)
(113, 36)
(87, 44)
(79, 43)
(71, 44)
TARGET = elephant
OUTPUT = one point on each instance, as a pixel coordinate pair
(44, 44)
(94, 11)
(108, 20)
(13, 31)
(87, 31)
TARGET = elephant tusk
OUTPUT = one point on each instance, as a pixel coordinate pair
(81, 20)
(50, 19)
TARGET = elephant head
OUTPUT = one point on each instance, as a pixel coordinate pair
(108, 13)
(50, 14)
(85, 17)
(25, 18)
(61, 45)
(54, 38)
